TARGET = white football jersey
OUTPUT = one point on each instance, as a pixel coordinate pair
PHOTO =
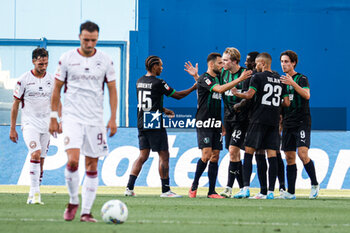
(35, 94)
(84, 79)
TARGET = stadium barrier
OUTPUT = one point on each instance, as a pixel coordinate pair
(330, 152)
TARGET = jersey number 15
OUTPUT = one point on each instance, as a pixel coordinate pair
(144, 101)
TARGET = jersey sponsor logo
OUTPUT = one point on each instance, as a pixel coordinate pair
(207, 81)
(166, 86)
(39, 94)
(28, 84)
(216, 96)
(17, 89)
(83, 77)
(32, 144)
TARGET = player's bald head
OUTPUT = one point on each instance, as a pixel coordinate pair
(265, 57)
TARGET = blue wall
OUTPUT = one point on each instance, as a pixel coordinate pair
(179, 30)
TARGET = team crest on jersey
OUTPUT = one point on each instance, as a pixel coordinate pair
(207, 81)
(66, 140)
(32, 144)
(98, 64)
(206, 140)
(48, 83)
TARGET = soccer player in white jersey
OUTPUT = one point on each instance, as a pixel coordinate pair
(33, 90)
(84, 71)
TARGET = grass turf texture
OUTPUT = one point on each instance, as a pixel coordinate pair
(150, 213)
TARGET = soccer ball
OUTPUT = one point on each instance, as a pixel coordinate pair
(114, 211)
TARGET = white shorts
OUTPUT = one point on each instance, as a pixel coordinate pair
(36, 141)
(91, 140)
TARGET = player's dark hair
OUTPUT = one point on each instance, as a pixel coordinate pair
(252, 56)
(39, 52)
(151, 61)
(213, 57)
(292, 56)
(89, 26)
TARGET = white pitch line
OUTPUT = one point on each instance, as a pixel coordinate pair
(187, 222)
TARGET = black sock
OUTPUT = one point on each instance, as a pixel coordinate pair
(232, 170)
(247, 168)
(262, 168)
(199, 171)
(291, 177)
(272, 173)
(165, 185)
(131, 182)
(280, 171)
(212, 175)
(239, 175)
(310, 169)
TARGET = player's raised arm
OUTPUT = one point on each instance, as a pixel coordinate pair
(113, 100)
(181, 94)
(191, 70)
(14, 113)
(222, 88)
(55, 103)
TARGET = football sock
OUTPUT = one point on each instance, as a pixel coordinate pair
(88, 192)
(131, 182)
(165, 185)
(261, 169)
(34, 173)
(72, 180)
(199, 171)
(291, 177)
(239, 175)
(212, 175)
(272, 173)
(280, 171)
(310, 169)
(247, 168)
(231, 174)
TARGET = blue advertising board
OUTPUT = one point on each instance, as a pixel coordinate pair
(330, 152)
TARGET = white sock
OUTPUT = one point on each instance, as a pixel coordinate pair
(34, 174)
(72, 181)
(88, 192)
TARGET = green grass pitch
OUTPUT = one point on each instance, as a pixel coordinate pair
(150, 213)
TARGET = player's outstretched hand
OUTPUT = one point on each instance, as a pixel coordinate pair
(54, 127)
(112, 127)
(287, 79)
(193, 71)
(246, 74)
(13, 135)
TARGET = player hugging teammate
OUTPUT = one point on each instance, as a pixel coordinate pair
(267, 92)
